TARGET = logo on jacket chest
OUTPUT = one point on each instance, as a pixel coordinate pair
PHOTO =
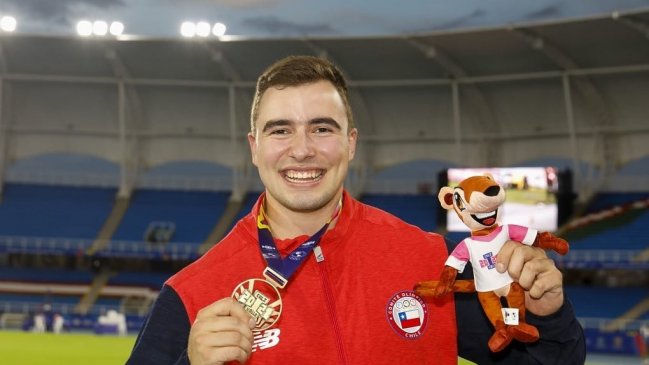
(265, 339)
(407, 314)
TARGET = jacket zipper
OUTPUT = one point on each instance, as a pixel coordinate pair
(331, 305)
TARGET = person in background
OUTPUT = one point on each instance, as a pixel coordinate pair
(313, 276)
(57, 323)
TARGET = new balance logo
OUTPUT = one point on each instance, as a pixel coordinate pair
(265, 339)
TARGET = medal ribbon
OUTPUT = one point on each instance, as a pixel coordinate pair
(280, 270)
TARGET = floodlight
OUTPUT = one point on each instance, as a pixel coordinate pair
(116, 28)
(84, 28)
(219, 29)
(99, 27)
(188, 29)
(8, 23)
(203, 29)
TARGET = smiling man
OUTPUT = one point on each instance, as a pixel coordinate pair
(313, 276)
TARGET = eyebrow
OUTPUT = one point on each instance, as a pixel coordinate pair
(275, 123)
(284, 122)
(326, 120)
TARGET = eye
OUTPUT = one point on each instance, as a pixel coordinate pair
(321, 130)
(458, 201)
(279, 131)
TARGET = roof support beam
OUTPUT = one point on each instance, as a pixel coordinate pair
(473, 94)
(4, 130)
(637, 25)
(130, 116)
(591, 95)
(241, 168)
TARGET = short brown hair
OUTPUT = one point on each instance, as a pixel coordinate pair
(300, 70)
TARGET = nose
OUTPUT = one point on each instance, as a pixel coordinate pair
(492, 190)
(301, 146)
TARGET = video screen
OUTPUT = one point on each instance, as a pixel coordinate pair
(530, 196)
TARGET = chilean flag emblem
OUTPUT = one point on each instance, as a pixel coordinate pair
(410, 318)
(407, 314)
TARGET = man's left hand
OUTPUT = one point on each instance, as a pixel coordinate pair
(536, 273)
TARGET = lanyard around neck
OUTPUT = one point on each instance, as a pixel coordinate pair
(278, 271)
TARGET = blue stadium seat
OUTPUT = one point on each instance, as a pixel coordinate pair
(419, 210)
(194, 214)
(54, 211)
(601, 302)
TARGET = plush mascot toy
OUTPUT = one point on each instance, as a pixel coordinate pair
(477, 200)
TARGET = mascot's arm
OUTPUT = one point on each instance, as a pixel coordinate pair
(446, 281)
(446, 284)
(548, 241)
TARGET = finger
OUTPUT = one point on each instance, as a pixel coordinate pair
(211, 325)
(224, 339)
(520, 255)
(504, 255)
(222, 355)
(547, 282)
(532, 270)
(225, 307)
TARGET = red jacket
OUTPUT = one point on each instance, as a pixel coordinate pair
(355, 307)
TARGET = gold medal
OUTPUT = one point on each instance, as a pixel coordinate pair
(261, 300)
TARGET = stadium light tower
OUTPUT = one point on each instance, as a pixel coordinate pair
(8, 23)
(219, 29)
(201, 29)
(99, 28)
(188, 29)
(84, 28)
(116, 28)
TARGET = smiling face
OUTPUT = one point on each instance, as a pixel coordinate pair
(302, 147)
(476, 200)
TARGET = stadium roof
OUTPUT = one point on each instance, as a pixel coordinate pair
(290, 18)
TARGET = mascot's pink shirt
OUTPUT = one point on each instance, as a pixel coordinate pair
(356, 306)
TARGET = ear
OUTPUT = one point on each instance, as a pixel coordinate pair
(252, 141)
(352, 138)
(445, 197)
(490, 176)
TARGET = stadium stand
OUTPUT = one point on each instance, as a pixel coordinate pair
(605, 302)
(419, 210)
(41, 216)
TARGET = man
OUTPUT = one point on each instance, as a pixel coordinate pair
(260, 297)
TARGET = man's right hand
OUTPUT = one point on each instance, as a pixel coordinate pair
(222, 332)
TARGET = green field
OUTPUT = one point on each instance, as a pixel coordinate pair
(23, 348)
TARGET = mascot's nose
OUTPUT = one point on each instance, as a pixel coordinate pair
(492, 191)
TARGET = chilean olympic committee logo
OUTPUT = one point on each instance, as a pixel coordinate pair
(407, 314)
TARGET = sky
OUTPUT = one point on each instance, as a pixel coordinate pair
(302, 18)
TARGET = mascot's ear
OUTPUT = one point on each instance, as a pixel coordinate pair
(490, 176)
(446, 197)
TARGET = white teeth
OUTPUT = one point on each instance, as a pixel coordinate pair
(485, 215)
(303, 175)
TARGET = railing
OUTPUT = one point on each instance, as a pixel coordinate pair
(44, 245)
(73, 246)
(62, 308)
(630, 259)
(140, 249)
(189, 251)
(603, 323)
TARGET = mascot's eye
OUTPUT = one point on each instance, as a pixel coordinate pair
(458, 201)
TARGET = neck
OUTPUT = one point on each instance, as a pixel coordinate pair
(485, 231)
(286, 223)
